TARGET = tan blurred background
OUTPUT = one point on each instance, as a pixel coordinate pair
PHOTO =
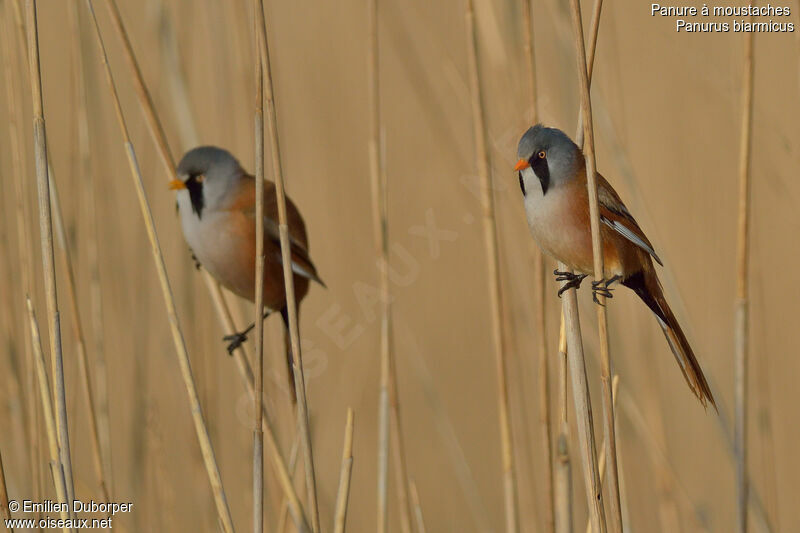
(667, 116)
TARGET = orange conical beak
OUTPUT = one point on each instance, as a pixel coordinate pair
(176, 185)
(521, 165)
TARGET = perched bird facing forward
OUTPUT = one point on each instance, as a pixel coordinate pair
(552, 176)
(217, 205)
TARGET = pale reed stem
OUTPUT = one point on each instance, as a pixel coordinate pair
(223, 311)
(493, 273)
(389, 421)
(85, 172)
(742, 330)
(59, 479)
(288, 276)
(258, 399)
(206, 447)
(599, 274)
(539, 302)
(24, 239)
(343, 492)
(602, 460)
(48, 256)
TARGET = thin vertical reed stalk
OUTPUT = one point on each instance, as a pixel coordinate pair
(343, 492)
(389, 422)
(48, 255)
(599, 273)
(420, 520)
(562, 477)
(590, 50)
(24, 239)
(288, 276)
(80, 345)
(83, 362)
(539, 297)
(59, 479)
(602, 460)
(742, 331)
(177, 335)
(86, 177)
(258, 400)
(583, 409)
(563, 486)
(284, 507)
(493, 272)
(214, 290)
(380, 228)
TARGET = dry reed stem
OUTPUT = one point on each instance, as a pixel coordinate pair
(493, 272)
(242, 360)
(563, 372)
(258, 398)
(177, 335)
(389, 421)
(602, 460)
(742, 328)
(419, 519)
(590, 50)
(59, 479)
(284, 507)
(562, 476)
(223, 311)
(84, 171)
(157, 131)
(562, 483)
(24, 240)
(380, 228)
(609, 429)
(80, 344)
(288, 276)
(539, 296)
(80, 347)
(48, 257)
(343, 492)
(583, 409)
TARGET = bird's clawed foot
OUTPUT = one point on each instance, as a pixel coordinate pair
(572, 280)
(197, 264)
(603, 288)
(234, 341)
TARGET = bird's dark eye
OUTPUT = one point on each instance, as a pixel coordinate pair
(542, 154)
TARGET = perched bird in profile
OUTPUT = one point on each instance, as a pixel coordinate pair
(217, 205)
(552, 176)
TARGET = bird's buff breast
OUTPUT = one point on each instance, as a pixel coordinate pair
(558, 228)
(222, 248)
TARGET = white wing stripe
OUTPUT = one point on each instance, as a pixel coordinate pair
(631, 236)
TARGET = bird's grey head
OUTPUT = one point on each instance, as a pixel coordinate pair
(207, 173)
(547, 155)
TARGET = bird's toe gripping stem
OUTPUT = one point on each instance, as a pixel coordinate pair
(603, 288)
(572, 280)
(234, 341)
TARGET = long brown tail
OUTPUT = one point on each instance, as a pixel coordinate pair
(646, 285)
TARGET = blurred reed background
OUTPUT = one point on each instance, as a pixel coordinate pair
(667, 119)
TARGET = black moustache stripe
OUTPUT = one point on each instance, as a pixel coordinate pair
(195, 189)
(542, 172)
